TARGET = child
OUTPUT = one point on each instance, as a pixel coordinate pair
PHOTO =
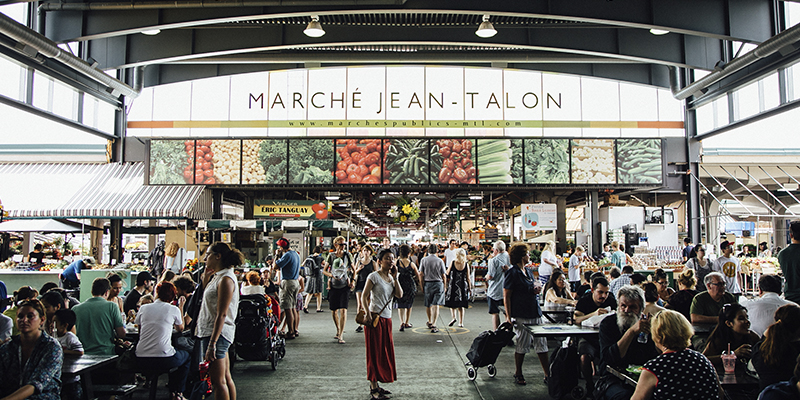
(64, 321)
(146, 299)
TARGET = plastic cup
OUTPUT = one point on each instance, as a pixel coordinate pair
(729, 362)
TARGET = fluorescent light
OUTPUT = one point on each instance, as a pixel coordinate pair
(314, 28)
(465, 204)
(658, 32)
(475, 197)
(151, 32)
(486, 29)
(332, 196)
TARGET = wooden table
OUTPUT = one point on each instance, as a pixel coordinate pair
(559, 330)
(552, 314)
(83, 366)
(739, 380)
(703, 329)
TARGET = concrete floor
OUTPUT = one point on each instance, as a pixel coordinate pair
(429, 366)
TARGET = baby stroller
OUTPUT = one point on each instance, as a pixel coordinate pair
(485, 349)
(256, 336)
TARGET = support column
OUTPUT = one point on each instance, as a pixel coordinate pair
(691, 186)
(596, 240)
(152, 239)
(249, 204)
(95, 242)
(216, 204)
(561, 222)
(27, 244)
(115, 247)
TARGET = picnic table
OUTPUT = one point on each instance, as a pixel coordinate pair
(83, 366)
(560, 330)
(738, 380)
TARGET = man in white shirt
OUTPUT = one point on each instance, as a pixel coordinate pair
(762, 309)
(729, 266)
(494, 276)
(450, 253)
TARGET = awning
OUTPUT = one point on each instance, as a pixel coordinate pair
(114, 191)
(45, 226)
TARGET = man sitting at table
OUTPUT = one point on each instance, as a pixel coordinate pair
(621, 280)
(592, 304)
(98, 321)
(620, 344)
(762, 309)
(706, 305)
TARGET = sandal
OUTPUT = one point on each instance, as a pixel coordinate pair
(520, 380)
(376, 391)
(383, 391)
(451, 323)
(434, 329)
(430, 325)
(409, 326)
(341, 341)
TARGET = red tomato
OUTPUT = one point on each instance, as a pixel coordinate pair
(205, 149)
(357, 156)
(189, 143)
(187, 173)
(199, 176)
(385, 181)
(341, 176)
(351, 169)
(362, 170)
(198, 165)
(200, 153)
(351, 147)
(207, 142)
(322, 214)
(341, 166)
(375, 171)
(208, 165)
(364, 161)
(353, 178)
(371, 179)
(341, 141)
(322, 206)
(210, 181)
(209, 156)
(208, 172)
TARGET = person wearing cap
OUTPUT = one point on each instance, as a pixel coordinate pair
(144, 285)
(288, 261)
(71, 276)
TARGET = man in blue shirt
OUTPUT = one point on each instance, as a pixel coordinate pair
(498, 264)
(288, 261)
(71, 277)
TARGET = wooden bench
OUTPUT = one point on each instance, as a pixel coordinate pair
(113, 390)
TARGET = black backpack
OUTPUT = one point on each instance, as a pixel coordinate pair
(156, 260)
(564, 373)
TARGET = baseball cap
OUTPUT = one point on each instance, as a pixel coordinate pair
(89, 261)
(143, 277)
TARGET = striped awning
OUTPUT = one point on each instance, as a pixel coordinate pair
(114, 191)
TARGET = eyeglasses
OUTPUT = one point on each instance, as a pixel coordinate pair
(718, 284)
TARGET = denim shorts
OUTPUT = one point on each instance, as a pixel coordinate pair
(222, 346)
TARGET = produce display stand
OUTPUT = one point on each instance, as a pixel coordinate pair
(15, 279)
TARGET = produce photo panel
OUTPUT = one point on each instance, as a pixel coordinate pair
(494, 162)
(639, 161)
(253, 172)
(171, 162)
(310, 161)
(546, 161)
(272, 156)
(593, 161)
(457, 162)
(359, 161)
(221, 161)
(517, 154)
(406, 161)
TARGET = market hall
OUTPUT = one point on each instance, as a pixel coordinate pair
(136, 136)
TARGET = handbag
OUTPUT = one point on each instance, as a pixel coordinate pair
(361, 317)
(202, 389)
(127, 361)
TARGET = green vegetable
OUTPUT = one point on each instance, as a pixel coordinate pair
(639, 161)
(493, 146)
(407, 161)
(310, 161)
(272, 155)
(500, 168)
(517, 174)
(546, 161)
(494, 161)
(167, 160)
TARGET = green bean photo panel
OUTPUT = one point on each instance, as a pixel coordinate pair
(639, 161)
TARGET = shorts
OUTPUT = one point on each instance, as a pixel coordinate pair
(288, 293)
(590, 349)
(338, 298)
(494, 305)
(525, 337)
(222, 346)
(434, 293)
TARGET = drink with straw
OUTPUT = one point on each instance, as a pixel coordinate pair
(729, 360)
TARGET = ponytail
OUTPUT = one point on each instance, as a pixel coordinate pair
(787, 322)
(228, 257)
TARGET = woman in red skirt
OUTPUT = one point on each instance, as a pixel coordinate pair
(380, 288)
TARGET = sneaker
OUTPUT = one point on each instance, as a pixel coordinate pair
(360, 329)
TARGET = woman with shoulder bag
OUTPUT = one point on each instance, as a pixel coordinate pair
(364, 267)
(380, 288)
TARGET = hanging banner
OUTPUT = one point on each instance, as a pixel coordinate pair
(540, 217)
(291, 209)
(376, 232)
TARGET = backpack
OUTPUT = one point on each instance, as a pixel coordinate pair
(341, 274)
(156, 260)
(564, 373)
(308, 267)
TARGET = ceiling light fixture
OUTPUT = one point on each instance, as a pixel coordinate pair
(151, 32)
(332, 196)
(314, 28)
(486, 29)
(658, 32)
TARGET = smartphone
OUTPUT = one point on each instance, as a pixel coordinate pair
(394, 269)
